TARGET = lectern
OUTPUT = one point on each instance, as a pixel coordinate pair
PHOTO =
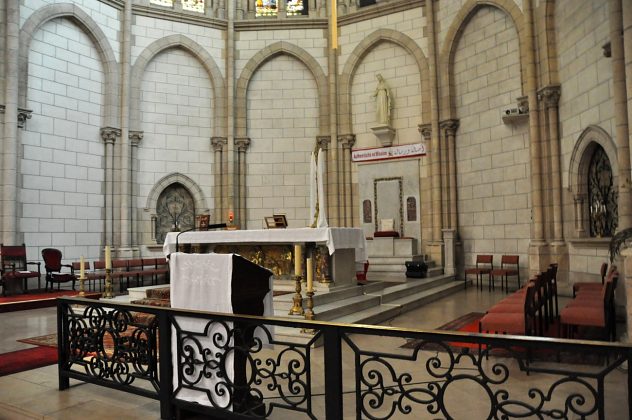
(216, 283)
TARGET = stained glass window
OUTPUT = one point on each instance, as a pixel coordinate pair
(168, 3)
(266, 8)
(602, 197)
(193, 5)
(296, 7)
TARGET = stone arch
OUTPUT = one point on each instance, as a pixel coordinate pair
(92, 29)
(361, 50)
(271, 51)
(580, 158)
(188, 183)
(578, 169)
(195, 49)
(446, 57)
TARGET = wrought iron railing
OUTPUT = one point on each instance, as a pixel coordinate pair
(229, 366)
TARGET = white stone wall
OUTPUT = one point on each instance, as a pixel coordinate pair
(146, 30)
(586, 99)
(177, 120)
(107, 17)
(409, 23)
(401, 73)
(62, 166)
(249, 43)
(492, 157)
(282, 118)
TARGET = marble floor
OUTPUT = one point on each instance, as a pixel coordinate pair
(33, 394)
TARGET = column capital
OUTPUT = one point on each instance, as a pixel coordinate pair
(135, 137)
(109, 134)
(347, 140)
(323, 142)
(550, 95)
(218, 143)
(450, 126)
(425, 130)
(242, 143)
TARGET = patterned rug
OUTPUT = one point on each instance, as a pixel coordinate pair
(48, 340)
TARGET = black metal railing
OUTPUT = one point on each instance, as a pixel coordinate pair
(229, 366)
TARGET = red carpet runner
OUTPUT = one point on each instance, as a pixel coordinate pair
(21, 360)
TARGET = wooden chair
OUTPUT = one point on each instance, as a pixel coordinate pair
(509, 267)
(585, 285)
(14, 267)
(54, 274)
(484, 266)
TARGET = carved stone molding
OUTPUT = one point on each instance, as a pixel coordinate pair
(346, 140)
(218, 143)
(135, 137)
(323, 142)
(242, 143)
(450, 126)
(109, 134)
(425, 130)
(550, 95)
(23, 115)
(523, 104)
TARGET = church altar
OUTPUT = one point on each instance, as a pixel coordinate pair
(341, 248)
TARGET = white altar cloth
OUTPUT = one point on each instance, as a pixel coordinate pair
(203, 282)
(333, 237)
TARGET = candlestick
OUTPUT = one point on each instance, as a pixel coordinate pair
(310, 275)
(108, 258)
(107, 293)
(298, 260)
(297, 307)
(309, 312)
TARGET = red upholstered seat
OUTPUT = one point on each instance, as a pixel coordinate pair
(509, 267)
(484, 266)
(592, 285)
(14, 267)
(516, 321)
(54, 268)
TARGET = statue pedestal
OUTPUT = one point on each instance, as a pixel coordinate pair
(384, 133)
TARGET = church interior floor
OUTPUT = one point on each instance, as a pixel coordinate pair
(34, 394)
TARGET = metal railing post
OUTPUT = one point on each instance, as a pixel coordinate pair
(629, 364)
(166, 367)
(63, 379)
(333, 373)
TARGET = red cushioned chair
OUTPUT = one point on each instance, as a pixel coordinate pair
(484, 266)
(509, 267)
(589, 285)
(14, 267)
(54, 267)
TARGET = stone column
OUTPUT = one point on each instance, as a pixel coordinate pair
(109, 135)
(435, 149)
(449, 251)
(450, 127)
(10, 141)
(622, 134)
(229, 175)
(219, 171)
(241, 144)
(627, 53)
(134, 137)
(537, 257)
(124, 186)
(252, 9)
(346, 141)
(550, 96)
(580, 217)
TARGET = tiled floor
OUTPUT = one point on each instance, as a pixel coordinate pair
(34, 394)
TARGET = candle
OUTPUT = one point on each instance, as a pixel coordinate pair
(310, 275)
(108, 258)
(298, 260)
(231, 216)
(82, 268)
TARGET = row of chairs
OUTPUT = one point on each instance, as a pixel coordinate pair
(528, 311)
(509, 267)
(593, 306)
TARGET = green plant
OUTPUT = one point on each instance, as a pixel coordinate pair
(620, 240)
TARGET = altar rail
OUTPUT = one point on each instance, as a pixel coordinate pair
(366, 371)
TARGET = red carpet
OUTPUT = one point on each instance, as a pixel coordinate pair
(37, 300)
(21, 360)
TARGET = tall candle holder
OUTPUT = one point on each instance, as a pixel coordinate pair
(82, 289)
(107, 293)
(309, 311)
(297, 307)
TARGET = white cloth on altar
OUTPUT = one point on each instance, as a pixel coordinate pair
(333, 237)
(203, 282)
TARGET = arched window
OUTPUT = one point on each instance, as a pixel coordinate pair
(175, 211)
(602, 197)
